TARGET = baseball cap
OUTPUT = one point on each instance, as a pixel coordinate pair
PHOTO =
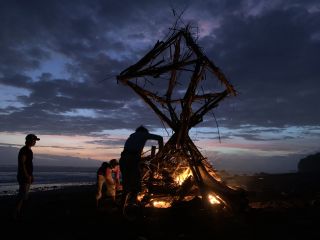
(31, 137)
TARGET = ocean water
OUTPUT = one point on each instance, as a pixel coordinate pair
(47, 178)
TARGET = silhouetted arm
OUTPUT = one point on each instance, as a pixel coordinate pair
(157, 138)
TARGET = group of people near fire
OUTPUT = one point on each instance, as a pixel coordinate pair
(123, 175)
(128, 167)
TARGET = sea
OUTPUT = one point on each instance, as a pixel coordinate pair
(47, 178)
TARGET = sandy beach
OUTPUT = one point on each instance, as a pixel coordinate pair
(285, 210)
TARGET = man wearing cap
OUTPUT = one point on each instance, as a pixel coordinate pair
(25, 171)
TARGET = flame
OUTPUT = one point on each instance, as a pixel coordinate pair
(183, 176)
(161, 204)
(157, 176)
(213, 199)
(140, 196)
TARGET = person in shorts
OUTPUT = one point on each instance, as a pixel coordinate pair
(25, 172)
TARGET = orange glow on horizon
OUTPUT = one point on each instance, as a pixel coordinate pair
(85, 147)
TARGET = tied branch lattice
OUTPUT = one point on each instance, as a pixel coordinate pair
(181, 84)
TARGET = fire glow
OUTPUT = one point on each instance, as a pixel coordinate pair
(161, 204)
(183, 176)
(213, 199)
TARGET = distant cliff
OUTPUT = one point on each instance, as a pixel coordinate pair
(310, 163)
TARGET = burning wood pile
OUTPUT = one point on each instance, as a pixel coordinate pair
(180, 84)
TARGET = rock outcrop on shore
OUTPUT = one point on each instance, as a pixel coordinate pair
(310, 163)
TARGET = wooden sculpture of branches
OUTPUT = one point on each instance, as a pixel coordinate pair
(186, 85)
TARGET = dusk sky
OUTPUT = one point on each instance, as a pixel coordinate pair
(59, 62)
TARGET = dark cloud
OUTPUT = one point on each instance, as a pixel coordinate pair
(269, 50)
(108, 142)
(62, 147)
(272, 61)
(239, 164)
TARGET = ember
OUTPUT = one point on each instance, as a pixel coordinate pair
(161, 204)
(213, 199)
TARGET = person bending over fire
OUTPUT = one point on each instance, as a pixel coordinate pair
(130, 160)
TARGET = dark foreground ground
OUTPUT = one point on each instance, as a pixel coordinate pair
(283, 206)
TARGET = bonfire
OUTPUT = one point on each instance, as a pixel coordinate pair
(181, 85)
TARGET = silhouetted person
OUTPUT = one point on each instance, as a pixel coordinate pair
(108, 174)
(25, 172)
(131, 157)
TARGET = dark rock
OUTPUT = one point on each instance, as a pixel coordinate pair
(310, 163)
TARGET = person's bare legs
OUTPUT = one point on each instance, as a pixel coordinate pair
(100, 182)
(22, 197)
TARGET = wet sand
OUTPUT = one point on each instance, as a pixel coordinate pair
(282, 207)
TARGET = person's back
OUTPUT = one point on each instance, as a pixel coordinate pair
(137, 140)
(25, 164)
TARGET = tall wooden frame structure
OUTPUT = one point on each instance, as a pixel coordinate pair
(169, 79)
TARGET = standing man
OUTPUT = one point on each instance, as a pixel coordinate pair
(131, 157)
(25, 171)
